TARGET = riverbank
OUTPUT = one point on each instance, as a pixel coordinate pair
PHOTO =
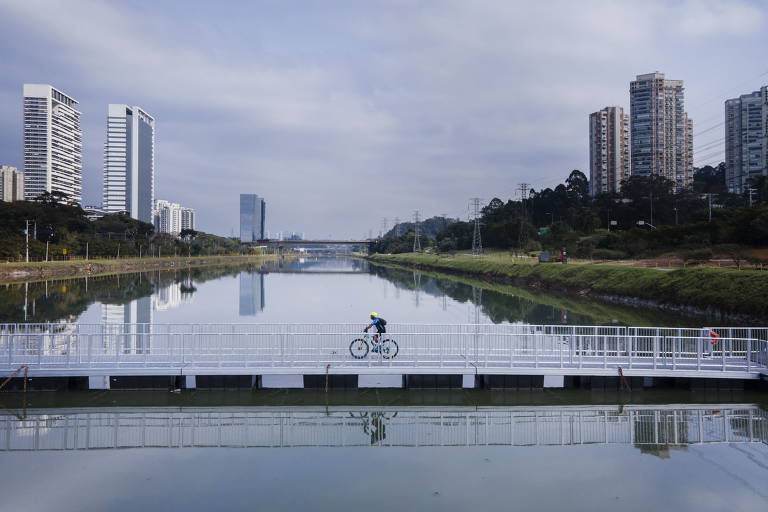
(720, 293)
(14, 272)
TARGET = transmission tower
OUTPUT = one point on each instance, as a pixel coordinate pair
(477, 244)
(522, 235)
(416, 234)
(397, 227)
(383, 227)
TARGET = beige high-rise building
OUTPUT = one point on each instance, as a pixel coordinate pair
(608, 150)
(11, 184)
(662, 133)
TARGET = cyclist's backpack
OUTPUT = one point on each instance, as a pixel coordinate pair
(382, 325)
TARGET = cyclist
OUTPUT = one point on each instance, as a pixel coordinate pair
(381, 328)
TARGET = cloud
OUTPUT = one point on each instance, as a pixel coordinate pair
(341, 114)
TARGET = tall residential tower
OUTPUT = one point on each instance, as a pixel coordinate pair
(53, 147)
(252, 212)
(608, 150)
(662, 133)
(129, 162)
(11, 184)
(746, 139)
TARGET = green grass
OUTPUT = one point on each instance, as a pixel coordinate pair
(727, 291)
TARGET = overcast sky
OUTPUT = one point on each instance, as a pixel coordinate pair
(342, 113)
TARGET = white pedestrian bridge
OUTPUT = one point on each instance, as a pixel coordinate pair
(281, 354)
(654, 429)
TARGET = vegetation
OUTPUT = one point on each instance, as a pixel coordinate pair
(55, 226)
(721, 291)
(647, 218)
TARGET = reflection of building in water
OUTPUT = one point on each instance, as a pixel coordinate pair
(172, 296)
(251, 293)
(128, 326)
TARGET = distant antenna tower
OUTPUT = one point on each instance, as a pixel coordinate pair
(383, 227)
(522, 235)
(417, 234)
(397, 226)
(477, 244)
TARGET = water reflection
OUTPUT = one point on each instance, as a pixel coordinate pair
(652, 429)
(328, 289)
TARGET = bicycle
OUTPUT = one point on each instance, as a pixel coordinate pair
(359, 347)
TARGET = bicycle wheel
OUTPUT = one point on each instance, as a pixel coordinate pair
(358, 348)
(389, 349)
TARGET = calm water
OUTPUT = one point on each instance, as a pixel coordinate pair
(307, 291)
(368, 449)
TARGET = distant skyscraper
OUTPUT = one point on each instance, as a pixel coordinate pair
(187, 218)
(608, 150)
(662, 133)
(251, 293)
(11, 184)
(52, 143)
(171, 217)
(252, 213)
(129, 162)
(746, 139)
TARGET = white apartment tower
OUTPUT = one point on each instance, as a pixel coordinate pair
(172, 218)
(608, 150)
(662, 133)
(746, 139)
(11, 184)
(53, 145)
(129, 162)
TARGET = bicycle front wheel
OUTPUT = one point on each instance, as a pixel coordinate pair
(358, 348)
(389, 349)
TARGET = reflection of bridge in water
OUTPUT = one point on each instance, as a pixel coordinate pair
(651, 428)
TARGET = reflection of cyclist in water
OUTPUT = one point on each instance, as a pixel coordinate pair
(374, 425)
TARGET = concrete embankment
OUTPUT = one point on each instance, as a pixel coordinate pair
(11, 272)
(725, 293)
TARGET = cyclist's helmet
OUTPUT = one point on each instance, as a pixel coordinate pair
(374, 314)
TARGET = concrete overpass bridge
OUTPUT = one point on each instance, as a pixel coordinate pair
(279, 245)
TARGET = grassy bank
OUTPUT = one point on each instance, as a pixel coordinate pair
(13, 272)
(724, 291)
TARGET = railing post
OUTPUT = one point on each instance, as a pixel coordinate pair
(655, 348)
(749, 354)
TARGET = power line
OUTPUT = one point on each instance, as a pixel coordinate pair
(725, 92)
(477, 244)
(708, 145)
(416, 235)
(522, 234)
(709, 129)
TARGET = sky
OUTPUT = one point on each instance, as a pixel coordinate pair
(343, 113)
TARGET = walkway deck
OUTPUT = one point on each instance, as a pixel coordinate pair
(295, 349)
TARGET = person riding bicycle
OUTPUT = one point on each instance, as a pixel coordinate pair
(380, 325)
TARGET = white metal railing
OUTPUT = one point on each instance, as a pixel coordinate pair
(217, 347)
(649, 427)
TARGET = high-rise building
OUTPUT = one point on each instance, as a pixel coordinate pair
(746, 139)
(662, 133)
(608, 150)
(129, 162)
(187, 218)
(52, 143)
(252, 213)
(11, 184)
(171, 217)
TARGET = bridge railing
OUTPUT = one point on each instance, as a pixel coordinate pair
(314, 346)
(651, 428)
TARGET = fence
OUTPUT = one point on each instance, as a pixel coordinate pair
(464, 348)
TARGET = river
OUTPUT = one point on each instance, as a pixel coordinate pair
(663, 449)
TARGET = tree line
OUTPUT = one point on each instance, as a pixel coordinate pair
(647, 217)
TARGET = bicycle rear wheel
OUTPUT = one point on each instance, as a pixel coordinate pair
(358, 348)
(389, 349)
